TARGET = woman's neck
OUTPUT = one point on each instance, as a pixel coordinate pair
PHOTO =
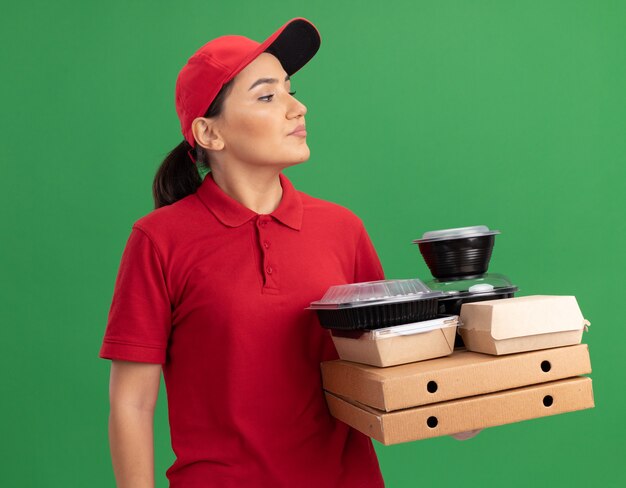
(260, 191)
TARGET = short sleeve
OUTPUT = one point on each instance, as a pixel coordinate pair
(140, 316)
(367, 266)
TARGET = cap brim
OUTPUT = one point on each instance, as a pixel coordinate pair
(294, 44)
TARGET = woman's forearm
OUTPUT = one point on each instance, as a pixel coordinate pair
(133, 391)
(132, 447)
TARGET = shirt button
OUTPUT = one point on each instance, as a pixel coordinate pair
(269, 270)
(266, 244)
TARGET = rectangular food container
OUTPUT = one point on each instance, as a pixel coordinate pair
(376, 304)
(521, 324)
(399, 344)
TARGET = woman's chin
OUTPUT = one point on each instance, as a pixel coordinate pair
(304, 156)
(295, 163)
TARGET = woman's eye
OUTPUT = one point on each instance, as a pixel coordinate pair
(268, 98)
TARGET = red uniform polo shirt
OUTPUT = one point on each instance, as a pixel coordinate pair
(217, 294)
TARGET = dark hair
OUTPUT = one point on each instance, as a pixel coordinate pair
(178, 176)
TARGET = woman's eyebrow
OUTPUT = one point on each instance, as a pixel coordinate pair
(266, 80)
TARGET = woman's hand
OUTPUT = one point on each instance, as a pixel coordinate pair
(463, 436)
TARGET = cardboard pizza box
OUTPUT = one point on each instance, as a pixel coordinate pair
(465, 414)
(459, 375)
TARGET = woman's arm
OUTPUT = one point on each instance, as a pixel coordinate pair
(133, 391)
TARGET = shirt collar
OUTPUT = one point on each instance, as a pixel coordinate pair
(233, 214)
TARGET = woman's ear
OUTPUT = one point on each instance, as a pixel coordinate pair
(206, 133)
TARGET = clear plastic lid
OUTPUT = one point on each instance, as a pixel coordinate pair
(374, 292)
(411, 329)
(487, 283)
(457, 233)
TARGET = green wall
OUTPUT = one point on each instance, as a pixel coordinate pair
(422, 115)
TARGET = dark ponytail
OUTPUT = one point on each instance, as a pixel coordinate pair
(178, 176)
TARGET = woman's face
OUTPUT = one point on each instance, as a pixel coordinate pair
(259, 116)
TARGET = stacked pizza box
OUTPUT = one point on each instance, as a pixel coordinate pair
(520, 358)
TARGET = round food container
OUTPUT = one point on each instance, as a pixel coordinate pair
(490, 286)
(457, 253)
(376, 304)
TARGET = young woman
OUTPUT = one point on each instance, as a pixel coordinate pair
(213, 285)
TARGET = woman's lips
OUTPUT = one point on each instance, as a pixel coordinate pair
(299, 131)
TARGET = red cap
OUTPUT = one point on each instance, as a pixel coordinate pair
(219, 60)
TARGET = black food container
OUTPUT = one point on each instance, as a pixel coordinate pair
(479, 289)
(376, 304)
(457, 253)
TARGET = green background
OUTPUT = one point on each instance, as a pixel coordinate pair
(422, 115)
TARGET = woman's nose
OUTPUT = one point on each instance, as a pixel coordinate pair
(297, 108)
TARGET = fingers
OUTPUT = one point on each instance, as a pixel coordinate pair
(463, 436)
